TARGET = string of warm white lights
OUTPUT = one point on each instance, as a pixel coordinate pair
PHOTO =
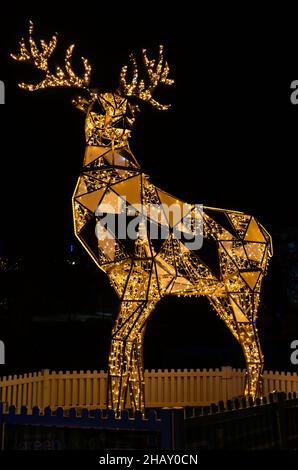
(39, 56)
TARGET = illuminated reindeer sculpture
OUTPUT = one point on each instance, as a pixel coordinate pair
(145, 270)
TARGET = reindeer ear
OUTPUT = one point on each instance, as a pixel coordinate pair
(81, 103)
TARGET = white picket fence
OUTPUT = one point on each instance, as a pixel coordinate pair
(162, 387)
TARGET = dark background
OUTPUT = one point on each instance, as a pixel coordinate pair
(229, 141)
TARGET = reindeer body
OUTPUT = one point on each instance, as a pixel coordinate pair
(144, 270)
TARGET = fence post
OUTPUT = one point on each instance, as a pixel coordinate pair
(46, 388)
(178, 428)
(166, 429)
(281, 420)
(172, 431)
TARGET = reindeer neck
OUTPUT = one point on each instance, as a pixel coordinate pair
(114, 162)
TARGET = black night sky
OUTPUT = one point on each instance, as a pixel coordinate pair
(229, 141)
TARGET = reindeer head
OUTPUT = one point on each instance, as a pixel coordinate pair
(109, 115)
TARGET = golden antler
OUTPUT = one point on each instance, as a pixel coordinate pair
(157, 70)
(39, 58)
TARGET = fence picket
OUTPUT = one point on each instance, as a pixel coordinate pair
(68, 391)
(103, 384)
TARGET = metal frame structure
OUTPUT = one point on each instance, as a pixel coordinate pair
(142, 271)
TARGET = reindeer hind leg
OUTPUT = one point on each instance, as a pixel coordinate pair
(245, 331)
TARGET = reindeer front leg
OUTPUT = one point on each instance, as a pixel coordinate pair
(126, 371)
(136, 379)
